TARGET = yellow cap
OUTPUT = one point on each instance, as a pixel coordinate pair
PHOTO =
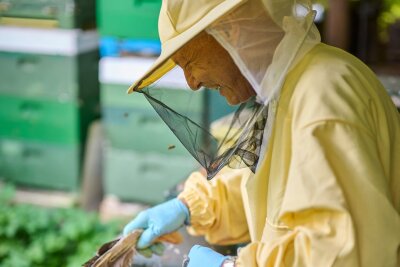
(179, 22)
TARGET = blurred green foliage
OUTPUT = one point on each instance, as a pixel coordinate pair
(389, 15)
(32, 236)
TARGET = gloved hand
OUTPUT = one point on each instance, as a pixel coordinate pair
(200, 256)
(159, 220)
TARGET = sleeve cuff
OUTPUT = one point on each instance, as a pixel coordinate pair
(195, 195)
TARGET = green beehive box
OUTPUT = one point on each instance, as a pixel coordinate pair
(137, 19)
(60, 78)
(40, 165)
(47, 121)
(144, 177)
(65, 14)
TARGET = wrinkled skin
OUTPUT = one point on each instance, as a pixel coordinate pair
(206, 63)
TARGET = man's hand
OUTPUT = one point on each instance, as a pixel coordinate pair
(159, 220)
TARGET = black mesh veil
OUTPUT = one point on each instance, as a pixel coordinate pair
(237, 148)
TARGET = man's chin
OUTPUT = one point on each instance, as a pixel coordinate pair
(233, 101)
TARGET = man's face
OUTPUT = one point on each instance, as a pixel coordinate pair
(206, 63)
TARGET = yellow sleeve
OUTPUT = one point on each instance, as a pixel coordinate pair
(315, 225)
(216, 207)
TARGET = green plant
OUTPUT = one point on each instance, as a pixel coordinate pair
(389, 15)
(32, 236)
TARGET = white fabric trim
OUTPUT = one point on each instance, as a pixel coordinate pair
(47, 41)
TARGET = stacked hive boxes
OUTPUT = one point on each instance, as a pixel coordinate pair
(143, 158)
(48, 92)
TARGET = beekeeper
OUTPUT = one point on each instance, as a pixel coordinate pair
(326, 187)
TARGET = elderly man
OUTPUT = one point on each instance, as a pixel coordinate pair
(324, 190)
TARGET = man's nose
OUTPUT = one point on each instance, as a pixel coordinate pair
(191, 81)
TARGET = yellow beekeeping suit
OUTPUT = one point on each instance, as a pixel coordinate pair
(327, 192)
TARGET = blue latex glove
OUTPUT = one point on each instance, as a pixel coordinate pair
(157, 221)
(200, 256)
